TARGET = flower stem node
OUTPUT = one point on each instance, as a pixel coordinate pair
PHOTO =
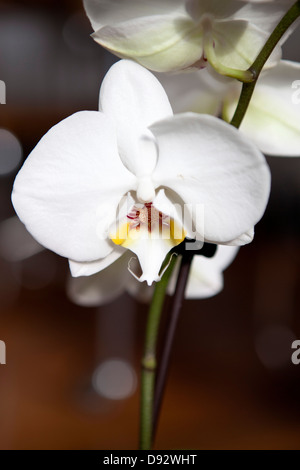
(149, 362)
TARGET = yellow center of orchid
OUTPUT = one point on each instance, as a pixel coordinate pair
(147, 221)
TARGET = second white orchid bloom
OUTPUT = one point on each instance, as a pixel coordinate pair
(272, 120)
(172, 35)
(100, 183)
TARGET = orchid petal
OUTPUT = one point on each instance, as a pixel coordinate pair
(224, 256)
(201, 91)
(224, 9)
(100, 288)
(70, 185)
(232, 46)
(159, 42)
(133, 98)
(129, 92)
(273, 117)
(242, 10)
(88, 269)
(214, 166)
(258, 12)
(205, 277)
(243, 239)
(102, 12)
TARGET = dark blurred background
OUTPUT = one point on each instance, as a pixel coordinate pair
(72, 373)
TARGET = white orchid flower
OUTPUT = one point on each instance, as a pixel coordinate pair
(172, 35)
(102, 182)
(205, 280)
(272, 120)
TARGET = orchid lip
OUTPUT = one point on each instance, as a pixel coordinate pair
(150, 234)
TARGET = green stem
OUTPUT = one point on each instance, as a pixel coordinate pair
(149, 359)
(175, 309)
(257, 66)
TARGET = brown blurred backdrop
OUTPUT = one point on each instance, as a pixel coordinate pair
(72, 373)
